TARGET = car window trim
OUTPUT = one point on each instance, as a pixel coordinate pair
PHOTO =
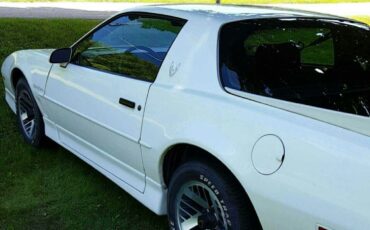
(119, 15)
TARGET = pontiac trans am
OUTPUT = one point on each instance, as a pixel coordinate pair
(221, 117)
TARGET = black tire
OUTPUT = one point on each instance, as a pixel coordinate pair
(25, 99)
(237, 210)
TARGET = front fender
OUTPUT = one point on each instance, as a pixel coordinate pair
(34, 65)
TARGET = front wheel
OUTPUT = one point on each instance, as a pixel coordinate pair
(29, 116)
(202, 196)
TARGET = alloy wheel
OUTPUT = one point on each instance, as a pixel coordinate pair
(198, 207)
(26, 113)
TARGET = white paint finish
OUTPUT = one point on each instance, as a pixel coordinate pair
(221, 14)
(85, 102)
(51, 129)
(6, 69)
(343, 9)
(322, 180)
(227, 11)
(152, 197)
(321, 160)
(103, 159)
(9, 98)
(348, 121)
(324, 177)
(199, 112)
(34, 64)
(268, 154)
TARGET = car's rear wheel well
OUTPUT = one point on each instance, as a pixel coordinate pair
(178, 155)
(181, 153)
(17, 74)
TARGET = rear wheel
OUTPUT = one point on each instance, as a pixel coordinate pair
(29, 116)
(202, 196)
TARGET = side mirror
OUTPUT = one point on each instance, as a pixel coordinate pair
(61, 56)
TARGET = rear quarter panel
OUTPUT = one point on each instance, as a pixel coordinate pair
(324, 177)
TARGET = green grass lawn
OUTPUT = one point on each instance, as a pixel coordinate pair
(365, 19)
(50, 188)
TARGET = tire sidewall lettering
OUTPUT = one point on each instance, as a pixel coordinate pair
(213, 187)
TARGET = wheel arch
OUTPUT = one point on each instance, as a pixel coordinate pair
(180, 153)
(15, 76)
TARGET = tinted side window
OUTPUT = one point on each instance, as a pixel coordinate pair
(321, 63)
(131, 45)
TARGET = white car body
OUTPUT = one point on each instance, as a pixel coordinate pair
(325, 174)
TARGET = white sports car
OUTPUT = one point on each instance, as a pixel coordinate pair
(222, 117)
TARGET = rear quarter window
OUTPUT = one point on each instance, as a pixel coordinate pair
(317, 62)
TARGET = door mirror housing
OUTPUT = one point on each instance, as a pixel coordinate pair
(60, 56)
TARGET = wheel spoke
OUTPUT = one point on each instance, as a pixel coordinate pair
(206, 197)
(196, 198)
(191, 204)
(197, 202)
(26, 113)
(25, 105)
(26, 98)
(29, 126)
(190, 223)
(186, 212)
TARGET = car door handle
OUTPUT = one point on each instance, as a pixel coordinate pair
(127, 103)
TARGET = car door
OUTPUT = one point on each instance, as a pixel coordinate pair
(98, 100)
